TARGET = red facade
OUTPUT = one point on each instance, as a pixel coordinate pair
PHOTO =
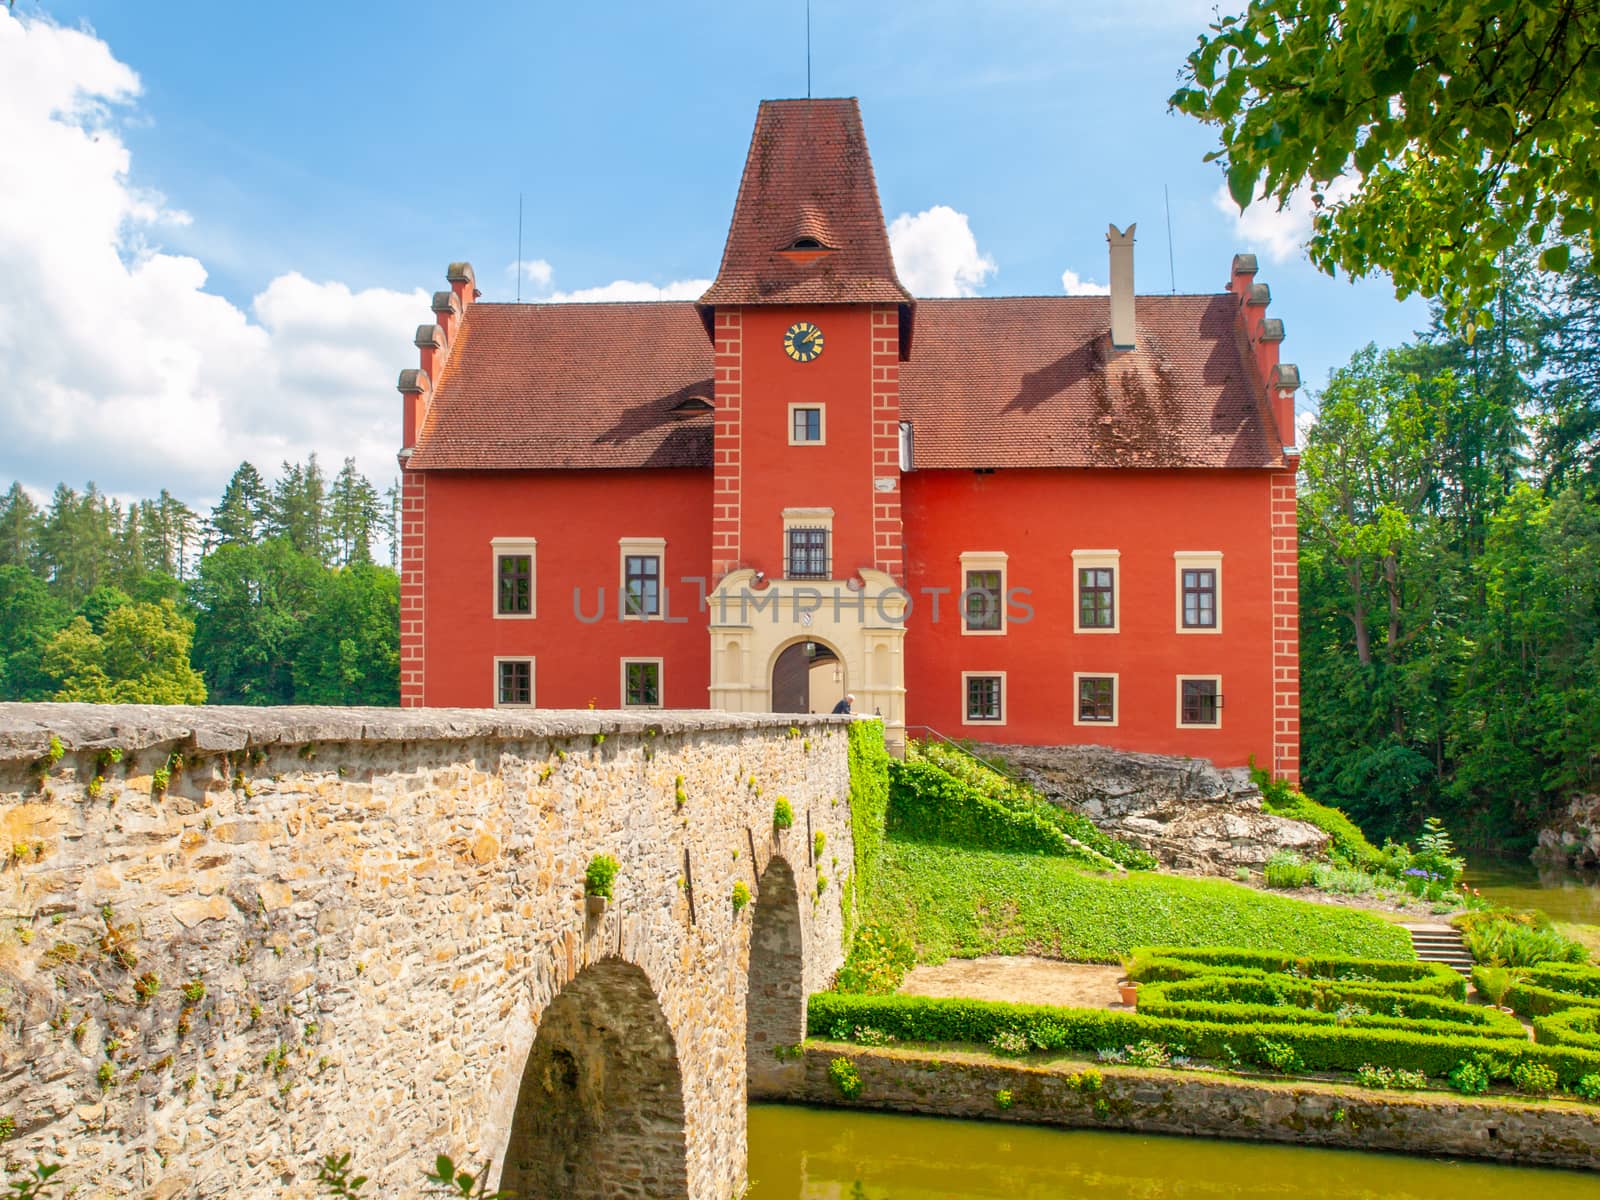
(979, 516)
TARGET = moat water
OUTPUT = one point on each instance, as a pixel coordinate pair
(1565, 894)
(826, 1154)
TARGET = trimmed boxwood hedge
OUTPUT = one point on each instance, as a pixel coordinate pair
(928, 804)
(1383, 970)
(1145, 969)
(1571, 1027)
(1319, 1047)
(1571, 978)
(1267, 1014)
(1530, 1000)
(1285, 997)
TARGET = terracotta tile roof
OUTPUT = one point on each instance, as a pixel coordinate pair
(993, 382)
(1028, 381)
(808, 175)
(570, 385)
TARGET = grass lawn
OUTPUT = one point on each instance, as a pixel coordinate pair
(954, 902)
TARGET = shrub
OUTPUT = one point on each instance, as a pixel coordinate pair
(928, 804)
(993, 781)
(1285, 800)
(1492, 983)
(1279, 1056)
(1145, 1053)
(1003, 1099)
(1370, 1076)
(782, 813)
(1516, 940)
(1587, 1088)
(844, 1076)
(741, 895)
(1536, 1079)
(877, 963)
(1287, 870)
(1010, 1042)
(1319, 1047)
(869, 803)
(1569, 1027)
(1469, 1078)
(600, 875)
(1196, 960)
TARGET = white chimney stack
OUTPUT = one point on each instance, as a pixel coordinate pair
(1122, 336)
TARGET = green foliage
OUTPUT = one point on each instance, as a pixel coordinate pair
(1003, 1099)
(336, 1177)
(818, 840)
(1587, 1088)
(1515, 939)
(1287, 870)
(741, 895)
(1319, 1047)
(1347, 840)
(927, 803)
(600, 876)
(1279, 1056)
(844, 1076)
(782, 813)
(869, 805)
(1536, 1079)
(1492, 983)
(141, 657)
(990, 779)
(1432, 138)
(1388, 1078)
(878, 961)
(1469, 1078)
(31, 1183)
(966, 902)
(1577, 1026)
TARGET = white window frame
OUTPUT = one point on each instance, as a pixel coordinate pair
(1005, 700)
(1178, 714)
(822, 423)
(1116, 699)
(982, 560)
(622, 680)
(503, 547)
(1190, 560)
(656, 548)
(533, 680)
(1082, 559)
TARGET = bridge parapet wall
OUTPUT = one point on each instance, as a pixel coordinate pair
(235, 940)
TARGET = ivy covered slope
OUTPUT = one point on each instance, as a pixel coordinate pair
(966, 902)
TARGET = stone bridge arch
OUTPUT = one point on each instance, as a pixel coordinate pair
(775, 999)
(599, 1112)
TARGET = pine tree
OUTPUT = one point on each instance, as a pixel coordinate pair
(297, 510)
(19, 528)
(240, 516)
(353, 516)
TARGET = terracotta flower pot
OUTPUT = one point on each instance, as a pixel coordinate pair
(1129, 992)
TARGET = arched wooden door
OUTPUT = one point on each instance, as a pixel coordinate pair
(791, 675)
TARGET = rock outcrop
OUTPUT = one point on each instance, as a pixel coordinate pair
(1575, 836)
(1185, 811)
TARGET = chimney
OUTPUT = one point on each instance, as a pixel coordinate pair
(1122, 336)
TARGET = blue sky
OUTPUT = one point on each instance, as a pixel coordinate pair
(295, 179)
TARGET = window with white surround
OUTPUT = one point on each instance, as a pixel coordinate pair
(1197, 576)
(1095, 698)
(513, 683)
(983, 695)
(807, 425)
(982, 599)
(643, 563)
(1096, 591)
(808, 543)
(641, 683)
(515, 594)
(1200, 701)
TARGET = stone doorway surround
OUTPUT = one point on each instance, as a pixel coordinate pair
(862, 620)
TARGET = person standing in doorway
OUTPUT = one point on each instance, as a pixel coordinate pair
(843, 708)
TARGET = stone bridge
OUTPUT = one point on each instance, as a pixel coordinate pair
(236, 940)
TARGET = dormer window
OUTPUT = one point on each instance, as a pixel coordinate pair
(806, 243)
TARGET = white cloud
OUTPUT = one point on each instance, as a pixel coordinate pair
(936, 254)
(537, 272)
(1279, 233)
(629, 289)
(1075, 285)
(120, 366)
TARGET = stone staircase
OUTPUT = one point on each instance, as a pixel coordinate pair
(1441, 944)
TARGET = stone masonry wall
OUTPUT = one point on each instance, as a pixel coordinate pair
(337, 930)
(954, 1084)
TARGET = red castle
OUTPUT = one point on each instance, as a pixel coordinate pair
(1035, 519)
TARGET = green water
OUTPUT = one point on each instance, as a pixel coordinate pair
(1564, 894)
(822, 1154)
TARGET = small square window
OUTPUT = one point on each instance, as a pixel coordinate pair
(1199, 598)
(514, 681)
(1097, 699)
(807, 425)
(1097, 603)
(641, 684)
(514, 577)
(643, 585)
(981, 601)
(983, 698)
(1200, 701)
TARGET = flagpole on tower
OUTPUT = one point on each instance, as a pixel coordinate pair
(808, 49)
